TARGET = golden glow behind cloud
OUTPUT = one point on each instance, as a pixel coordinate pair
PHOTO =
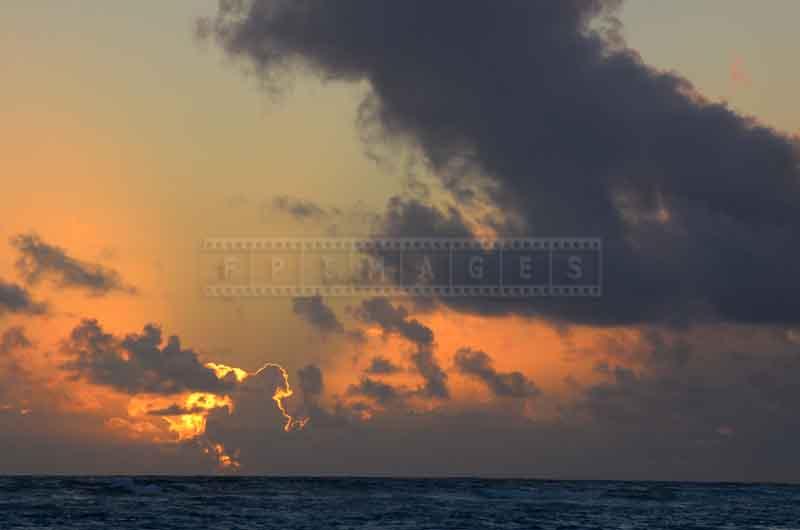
(282, 393)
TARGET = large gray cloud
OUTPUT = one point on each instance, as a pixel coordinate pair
(575, 135)
(138, 363)
(39, 260)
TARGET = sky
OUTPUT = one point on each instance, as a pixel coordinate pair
(129, 132)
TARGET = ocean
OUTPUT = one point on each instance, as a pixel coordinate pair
(224, 503)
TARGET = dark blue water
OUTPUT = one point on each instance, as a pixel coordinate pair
(248, 503)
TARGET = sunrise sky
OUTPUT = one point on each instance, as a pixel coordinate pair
(130, 131)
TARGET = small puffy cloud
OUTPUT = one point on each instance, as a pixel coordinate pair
(381, 366)
(314, 311)
(435, 384)
(395, 319)
(39, 260)
(16, 299)
(14, 339)
(381, 392)
(478, 364)
(300, 209)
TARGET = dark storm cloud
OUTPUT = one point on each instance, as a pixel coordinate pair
(315, 312)
(395, 319)
(479, 365)
(39, 260)
(575, 135)
(14, 338)
(381, 366)
(16, 299)
(138, 363)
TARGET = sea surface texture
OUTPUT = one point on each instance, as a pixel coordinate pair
(248, 503)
